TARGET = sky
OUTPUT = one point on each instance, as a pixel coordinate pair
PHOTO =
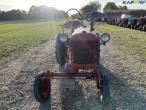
(59, 4)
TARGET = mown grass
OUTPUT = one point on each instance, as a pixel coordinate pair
(126, 38)
(17, 35)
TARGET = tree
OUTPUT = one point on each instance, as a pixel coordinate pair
(110, 6)
(35, 12)
(123, 7)
(44, 12)
(95, 5)
(13, 15)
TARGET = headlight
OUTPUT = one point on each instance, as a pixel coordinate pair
(63, 38)
(105, 37)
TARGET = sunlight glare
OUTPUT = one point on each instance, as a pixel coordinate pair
(59, 4)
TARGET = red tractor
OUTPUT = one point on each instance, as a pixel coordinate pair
(79, 53)
(143, 25)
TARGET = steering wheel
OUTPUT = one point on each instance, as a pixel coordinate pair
(73, 16)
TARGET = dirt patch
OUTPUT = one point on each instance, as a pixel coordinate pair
(17, 75)
(127, 73)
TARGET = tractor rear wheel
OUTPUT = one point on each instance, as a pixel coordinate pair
(132, 26)
(144, 28)
(61, 52)
(42, 89)
(98, 55)
(104, 93)
(135, 27)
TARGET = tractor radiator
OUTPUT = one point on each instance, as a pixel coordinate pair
(84, 48)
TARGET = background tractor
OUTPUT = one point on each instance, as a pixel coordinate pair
(142, 27)
(132, 22)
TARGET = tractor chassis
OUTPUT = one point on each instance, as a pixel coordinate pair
(47, 76)
(42, 84)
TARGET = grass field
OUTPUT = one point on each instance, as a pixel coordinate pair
(17, 35)
(126, 38)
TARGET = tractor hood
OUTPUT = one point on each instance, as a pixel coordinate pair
(83, 30)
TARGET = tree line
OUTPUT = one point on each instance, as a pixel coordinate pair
(113, 6)
(35, 12)
(45, 12)
(95, 5)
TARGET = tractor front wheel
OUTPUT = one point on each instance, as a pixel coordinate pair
(42, 88)
(104, 91)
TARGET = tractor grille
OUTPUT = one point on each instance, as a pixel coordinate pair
(84, 48)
